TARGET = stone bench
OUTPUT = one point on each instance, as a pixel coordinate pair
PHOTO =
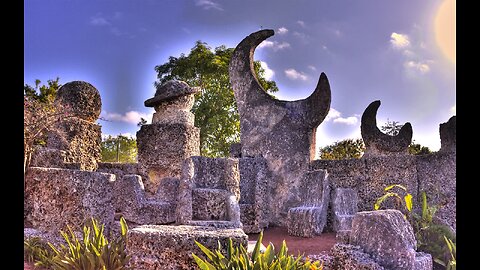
(171, 247)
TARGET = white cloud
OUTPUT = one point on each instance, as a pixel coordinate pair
(98, 20)
(332, 114)
(352, 120)
(295, 75)
(453, 109)
(275, 45)
(268, 72)
(131, 117)
(399, 41)
(335, 116)
(301, 23)
(313, 68)
(422, 67)
(282, 30)
(208, 4)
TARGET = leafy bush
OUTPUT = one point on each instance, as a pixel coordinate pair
(93, 251)
(238, 258)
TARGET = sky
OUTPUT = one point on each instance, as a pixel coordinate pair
(399, 52)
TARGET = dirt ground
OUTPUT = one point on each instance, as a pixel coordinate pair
(307, 246)
(296, 245)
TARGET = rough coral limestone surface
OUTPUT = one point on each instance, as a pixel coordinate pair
(171, 247)
(82, 98)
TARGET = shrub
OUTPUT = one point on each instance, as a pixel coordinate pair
(92, 252)
(239, 259)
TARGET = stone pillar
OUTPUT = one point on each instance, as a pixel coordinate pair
(448, 135)
(172, 136)
(74, 142)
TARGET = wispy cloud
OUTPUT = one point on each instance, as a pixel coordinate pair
(336, 117)
(301, 23)
(131, 117)
(99, 20)
(312, 68)
(351, 120)
(295, 75)
(282, 31)
(275, 45)
(422, 67)
(399, 41)
(268, 75)
(414, 64)
(208, 4)
(453, 109)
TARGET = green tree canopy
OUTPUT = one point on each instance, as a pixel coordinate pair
(345, 149)
(44, 93)
(215, 108)
(119, 149)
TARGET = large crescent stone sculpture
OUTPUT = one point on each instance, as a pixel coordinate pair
(283, 132)
(379, 143)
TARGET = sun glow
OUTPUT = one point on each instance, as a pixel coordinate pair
(445, 25)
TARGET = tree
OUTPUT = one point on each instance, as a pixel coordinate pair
(345, 149)
(215, 108)
(393, 128)
(119, 149)
(39, 115)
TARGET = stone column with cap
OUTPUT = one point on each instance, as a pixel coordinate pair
(172, 136)
(75, 141)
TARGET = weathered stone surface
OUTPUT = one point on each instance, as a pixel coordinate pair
(209, 190)
(423, 261)
(79, 139)
(379, 143)
(448, 135)
(171, 247)
(386, 236)
(161, 150)
(283, 132)
(48, 158)
(135, 207)
(347, 173)
(309, 219)
(175, 111)
(57, 197)
(438, 178)
(383, 171)
(119, 169)
(170, 90)
(254, 200)
(349, 257)
(344, 206)
(81, 98)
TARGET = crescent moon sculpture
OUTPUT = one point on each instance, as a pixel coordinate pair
(255, 105)
(282, 132)
(377, 142)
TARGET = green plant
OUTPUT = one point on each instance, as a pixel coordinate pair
(452, 261)
(93, 251)
(37, 251)
(405, 208)
(238, 258)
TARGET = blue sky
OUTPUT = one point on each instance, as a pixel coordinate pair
(400, 52)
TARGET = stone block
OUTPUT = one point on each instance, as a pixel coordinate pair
(56, 197)
(344, 207)
(171, 247)
(386, 236)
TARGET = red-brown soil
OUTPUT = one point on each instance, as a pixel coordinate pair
(307, 246)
